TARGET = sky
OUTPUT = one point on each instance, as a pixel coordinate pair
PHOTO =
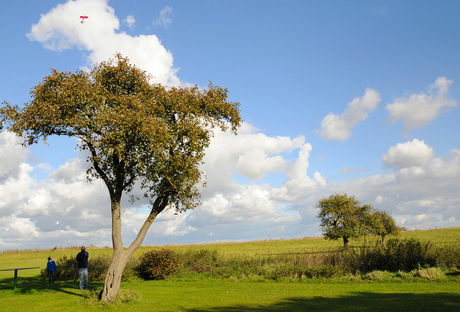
(355, 97)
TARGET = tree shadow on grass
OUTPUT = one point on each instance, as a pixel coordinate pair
(355, 302)
(28, 285)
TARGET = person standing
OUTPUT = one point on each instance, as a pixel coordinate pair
(51, 268)
(82, 259)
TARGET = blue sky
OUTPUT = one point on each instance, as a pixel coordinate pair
(355, 97)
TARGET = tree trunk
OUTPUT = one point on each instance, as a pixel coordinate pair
(119, 259)
(121, 256)
(383, 240)
(345, 242)
(113, 277)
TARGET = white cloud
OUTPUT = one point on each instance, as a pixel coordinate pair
(228, 153)
(334, 127)
(165, 18)
(419, 109)
(421, 217)
(350, 170)
(60, 29)
(402, 155)
(445, 168)
(379, 199)
(15, 181)
(65, 210)
(255, 164)
(12, 154)
(130, 21)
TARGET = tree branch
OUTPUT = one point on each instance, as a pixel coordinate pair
(98, 169)
(159, 205)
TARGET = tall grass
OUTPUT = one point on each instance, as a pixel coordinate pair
(399, 255)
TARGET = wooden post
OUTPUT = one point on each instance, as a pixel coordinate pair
(15, 279)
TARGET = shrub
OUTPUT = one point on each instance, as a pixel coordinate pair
(157, 264)
(408, 254)
(449, 255)
(67, 268)
(325, 271)
(200, 261)
(431, 274)
(399, 254)
(378, 276)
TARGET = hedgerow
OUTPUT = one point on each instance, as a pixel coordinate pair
(406, 257)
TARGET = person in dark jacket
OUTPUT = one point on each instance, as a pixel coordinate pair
(82, 259)
(51, 268)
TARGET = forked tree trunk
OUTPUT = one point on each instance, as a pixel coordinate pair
(121, 256)
(119, 260)
(113, 277)
(345, 242)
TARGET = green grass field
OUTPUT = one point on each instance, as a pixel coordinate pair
(338, 294)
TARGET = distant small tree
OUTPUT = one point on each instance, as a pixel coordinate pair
(342, 216)
(383, 225)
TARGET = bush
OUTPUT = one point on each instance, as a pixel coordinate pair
(449, 255)
(408, 255)
(399, 254)
(67, 268)
(199, 261)
(378, 276)
(157, 264)
(430, 274)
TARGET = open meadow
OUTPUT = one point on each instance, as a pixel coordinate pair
(217, 289)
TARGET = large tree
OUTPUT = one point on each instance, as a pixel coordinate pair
(342, 216)
(135, 132)
(383, 224)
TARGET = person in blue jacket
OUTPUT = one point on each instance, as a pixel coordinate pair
(82, 259)
(51, 268)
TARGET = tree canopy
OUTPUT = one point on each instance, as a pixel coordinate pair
(383, 224)
(342, 216)
(135, 132)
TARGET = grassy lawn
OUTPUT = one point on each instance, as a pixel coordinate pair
(193, 294)
(34, 294)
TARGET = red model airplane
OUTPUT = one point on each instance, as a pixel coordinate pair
(83, 18)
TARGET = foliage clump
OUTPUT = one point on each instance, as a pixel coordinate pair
(383, 224)
(157, 264)
(200, 261)
(342, 216)
(67, 269)
(409, 254)
(430, 274)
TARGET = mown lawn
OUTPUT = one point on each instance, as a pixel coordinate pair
(34, 294)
